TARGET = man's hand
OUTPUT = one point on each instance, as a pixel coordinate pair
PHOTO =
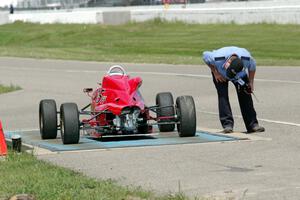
(251, 86)
(218, 76)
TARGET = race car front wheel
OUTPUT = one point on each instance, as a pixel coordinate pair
(166, 102)
(69, 123)
(186, 113)
(48, 119)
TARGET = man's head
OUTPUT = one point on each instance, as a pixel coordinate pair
(235, 66)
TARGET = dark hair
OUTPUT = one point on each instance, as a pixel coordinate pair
(235, 67)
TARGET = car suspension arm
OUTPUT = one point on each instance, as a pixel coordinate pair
(155, 108)
(85, 107)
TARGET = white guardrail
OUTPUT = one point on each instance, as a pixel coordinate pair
(272, 11)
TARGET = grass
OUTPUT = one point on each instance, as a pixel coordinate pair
(23, 173)
(151, 42)
(11, 88)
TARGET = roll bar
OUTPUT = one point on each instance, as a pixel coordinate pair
(116, 70)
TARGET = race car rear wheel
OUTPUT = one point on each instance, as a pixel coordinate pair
(186, 113)
(69, 123)
(165, 99)
(48, 119)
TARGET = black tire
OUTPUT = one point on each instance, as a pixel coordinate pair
(69, 123)
(165, 99)
(186, 114)
(48, 119)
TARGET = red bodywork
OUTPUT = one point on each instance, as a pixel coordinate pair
(116, 93)
(116, 103)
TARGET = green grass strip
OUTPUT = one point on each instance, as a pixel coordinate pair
(11, 88)
(24, 174)
(151, 42)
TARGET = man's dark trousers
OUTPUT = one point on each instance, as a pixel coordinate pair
(246, 106)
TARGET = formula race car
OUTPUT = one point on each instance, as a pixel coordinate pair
(117, 108)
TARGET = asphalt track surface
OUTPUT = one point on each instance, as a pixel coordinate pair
(267, 168)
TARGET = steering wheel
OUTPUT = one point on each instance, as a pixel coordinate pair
(116, 70)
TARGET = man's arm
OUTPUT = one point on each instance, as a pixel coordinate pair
(208, 59)
(251, 80)
(216, 73)
(252, 70)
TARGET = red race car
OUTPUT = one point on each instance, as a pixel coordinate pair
(117, 108)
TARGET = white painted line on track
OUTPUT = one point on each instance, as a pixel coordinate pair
(277, 81)
(147, 73)
(50, 70)
(279, 122)
(260, 119)
(173, 74)
(209, 76)
(10, 133)
(22, 130)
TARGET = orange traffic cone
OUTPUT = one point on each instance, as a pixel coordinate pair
(3, 147)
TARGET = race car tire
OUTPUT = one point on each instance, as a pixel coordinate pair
(165, 99)
(186, 113)
(48, 119)
(69, 123)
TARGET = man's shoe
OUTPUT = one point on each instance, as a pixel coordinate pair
(228, 130)
(256, 129)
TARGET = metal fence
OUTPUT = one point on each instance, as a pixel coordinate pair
(65, 4)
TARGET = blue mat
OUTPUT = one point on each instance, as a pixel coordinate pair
(33, 138)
